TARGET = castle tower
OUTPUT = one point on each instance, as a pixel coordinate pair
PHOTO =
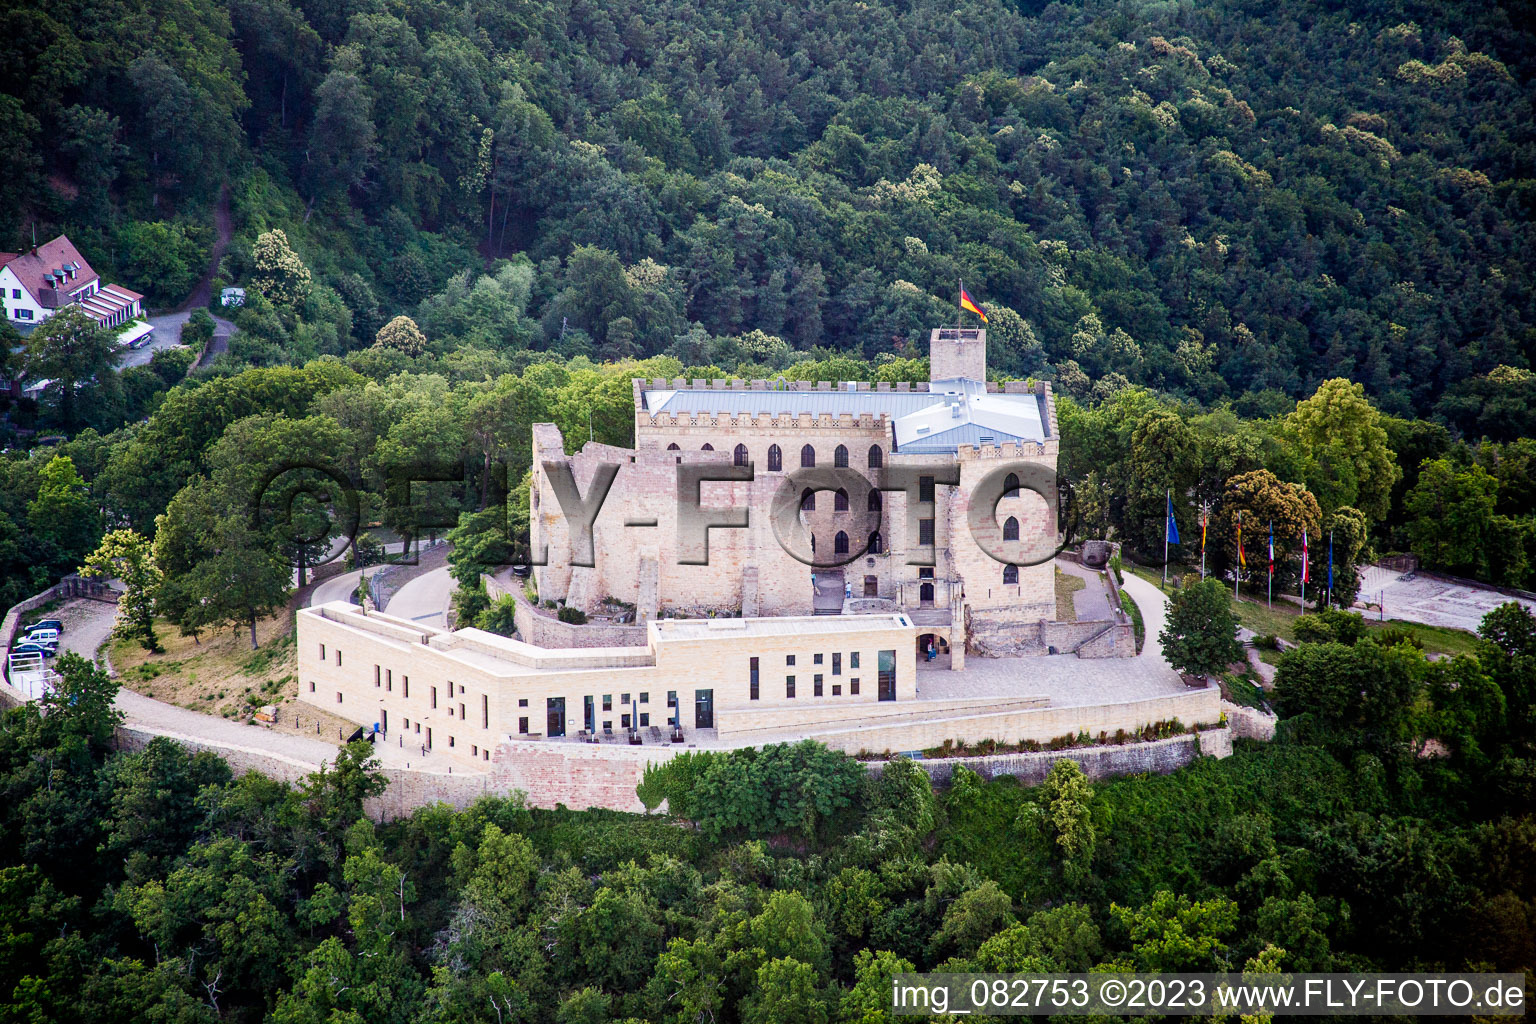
(957, 352)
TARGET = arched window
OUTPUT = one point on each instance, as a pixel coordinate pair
(707, 447)
(876, 543)
(840, 501)
(840, 457)
(1011, 485)
(876, 457)
(775, 459)
(673, 447)
(1010, 574)
(807, 500)
(1010, 529)
(840, 543)
(807, 457)
(741, 455)
(874, 501)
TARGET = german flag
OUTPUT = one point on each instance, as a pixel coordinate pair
(966, 302)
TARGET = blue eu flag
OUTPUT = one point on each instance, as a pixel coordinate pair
(1172, 533)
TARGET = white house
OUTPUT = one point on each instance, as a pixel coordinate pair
(38, 283)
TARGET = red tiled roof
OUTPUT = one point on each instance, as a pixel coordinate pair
(127, 293)
(6, 257)
(32, 267)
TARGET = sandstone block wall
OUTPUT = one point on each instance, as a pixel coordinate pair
(1157, 756)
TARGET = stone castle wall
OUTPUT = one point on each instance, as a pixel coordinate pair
(1031, 767)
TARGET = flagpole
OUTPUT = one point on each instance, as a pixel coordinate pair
(1237, 568)
(1167, 513)
(1205, 516)
(1271, 596)
(1303, 568)
(1330, 567)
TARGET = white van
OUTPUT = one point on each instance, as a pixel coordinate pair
(47, 637)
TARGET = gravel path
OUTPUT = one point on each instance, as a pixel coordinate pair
(88, 624)
(425, 599)
(1091, 603)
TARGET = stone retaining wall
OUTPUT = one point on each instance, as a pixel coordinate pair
(542, 630)
(1248, 723)
(1156, 756)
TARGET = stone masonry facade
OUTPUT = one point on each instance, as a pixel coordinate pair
(856, 537)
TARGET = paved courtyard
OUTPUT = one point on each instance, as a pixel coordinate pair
(1433, 602)
(1065, 678)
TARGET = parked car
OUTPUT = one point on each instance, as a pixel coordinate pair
(51, 646)
(42, 635)
(45, 624)
(32, 649)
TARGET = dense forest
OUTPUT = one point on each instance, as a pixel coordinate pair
(1226, 201)
(1389, 827)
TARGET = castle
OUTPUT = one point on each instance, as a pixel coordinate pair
(790, 561)
(881, 478)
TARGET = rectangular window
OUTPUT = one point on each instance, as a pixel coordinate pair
(311, 686)
(645, 698)
(887, 675)
(474, 750)
(338, 696)
(853, 687)
(837, 689)
(671, 698)
(789, 659)
(816, 658)
(375, 675)
(389, 680)
(417, 727)
(607, 702)
(429, 737)
(853, 660)
(338, 657)
(461, 712)
(450, 741)
(485, 755)
(522, 702)
(925, 488)
(624, 722)
(752, 685)
(925, 532)
(322, 652)
(434, 696)
(485, 710)
(837, 664)
(816, 685)
(645, 719)
(405, 686)
(15, 293)
(522, 726)
(789, 686)
(624, 699)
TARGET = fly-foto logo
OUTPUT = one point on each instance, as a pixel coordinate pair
(316, 513)
(793, 502)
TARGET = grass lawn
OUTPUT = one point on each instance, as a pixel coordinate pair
(1255, 614)
(1067, 585)
(1128, 603)
(222, 676)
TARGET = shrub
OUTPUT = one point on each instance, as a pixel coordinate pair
(575, 616)
(1330, 626)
